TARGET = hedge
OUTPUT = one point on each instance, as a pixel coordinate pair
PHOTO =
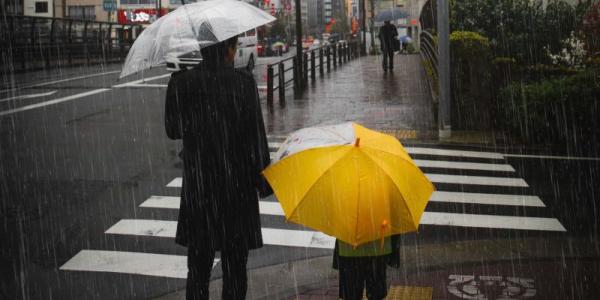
(564, 110)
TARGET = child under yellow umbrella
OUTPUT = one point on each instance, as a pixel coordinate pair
(352, 183)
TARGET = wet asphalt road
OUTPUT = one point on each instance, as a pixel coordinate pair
(80, 151)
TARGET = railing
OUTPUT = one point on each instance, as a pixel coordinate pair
(429, 50)
(329, 55)
(38, 42)
(429, 57)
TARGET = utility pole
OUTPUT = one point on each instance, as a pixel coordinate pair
(299, 43)
(363, 25)
(443, 27)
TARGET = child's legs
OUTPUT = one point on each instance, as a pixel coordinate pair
(352, 281)
(376, 278)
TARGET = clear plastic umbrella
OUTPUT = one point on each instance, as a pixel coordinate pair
(189, 28)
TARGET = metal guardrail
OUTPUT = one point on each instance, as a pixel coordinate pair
(38, 42)
(429, 50)
(335, 54)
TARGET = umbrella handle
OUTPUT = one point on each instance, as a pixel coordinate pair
(357, 143)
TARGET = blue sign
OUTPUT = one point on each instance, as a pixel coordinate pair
(109, 5)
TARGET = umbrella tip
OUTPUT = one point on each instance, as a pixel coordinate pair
(357, 142)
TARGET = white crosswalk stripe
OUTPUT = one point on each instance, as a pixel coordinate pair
(174, 266)
(139, 263)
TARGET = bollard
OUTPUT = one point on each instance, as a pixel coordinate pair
(270, 85)
(334, 56)
(341, 54)
(281, 83)
(305, 70)
(295, 70)
(321, 72)
(328, 59)
(312, 65)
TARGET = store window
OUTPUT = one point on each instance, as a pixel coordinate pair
(41, 7)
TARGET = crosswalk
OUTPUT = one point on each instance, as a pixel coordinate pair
(459, 176)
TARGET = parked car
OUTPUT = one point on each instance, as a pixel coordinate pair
(245, 58)
(261, 49)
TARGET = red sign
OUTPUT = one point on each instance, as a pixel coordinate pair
(414, 22)
(139, 16)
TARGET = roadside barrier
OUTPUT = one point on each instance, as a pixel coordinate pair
(320, 59)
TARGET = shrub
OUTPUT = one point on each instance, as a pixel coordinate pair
(563, 110)
(470, 80)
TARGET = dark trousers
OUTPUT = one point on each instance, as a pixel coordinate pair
(388, 59)
(358, 272)
(233, 263)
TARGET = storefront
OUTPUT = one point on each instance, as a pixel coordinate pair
(139, 15)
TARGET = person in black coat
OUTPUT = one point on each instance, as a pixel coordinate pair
(215, 110)
(387, 37)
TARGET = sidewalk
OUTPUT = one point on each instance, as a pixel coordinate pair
(362, 92)
(536, 268)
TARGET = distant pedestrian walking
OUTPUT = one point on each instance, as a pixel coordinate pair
(215, 110)
(389, 43)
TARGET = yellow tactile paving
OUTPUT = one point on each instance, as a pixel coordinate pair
(409, 293)
(397, 292)
(401, 133)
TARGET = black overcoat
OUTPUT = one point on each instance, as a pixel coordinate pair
(216, 111)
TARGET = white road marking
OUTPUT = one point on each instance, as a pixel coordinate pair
(177, 182)
(491, 221)
(463, 165)
(552, 157)
(442, 178)
(30, 96)
(143, 81)
(62, 80)
(275, 145)
(138, 263)
(477, 180)
(51, 102)
(458, 153)
(490, 199)
(271, 236)
(274, 208)
(147, 85)
(162, 202)
(428, 218)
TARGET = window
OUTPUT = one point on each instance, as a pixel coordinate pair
(138, 2)
(41, 7)
(87, 12)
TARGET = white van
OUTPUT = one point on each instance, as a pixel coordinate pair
(245, 58)
(247, 50)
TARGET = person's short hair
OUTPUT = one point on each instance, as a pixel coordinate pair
(386, 22)
(218, 51)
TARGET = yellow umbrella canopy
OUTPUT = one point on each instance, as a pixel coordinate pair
(349, 182)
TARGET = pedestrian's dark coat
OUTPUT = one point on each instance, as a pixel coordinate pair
(216, 111)
(387, 34)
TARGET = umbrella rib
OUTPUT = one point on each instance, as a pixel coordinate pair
(315, 182)
(383, 169)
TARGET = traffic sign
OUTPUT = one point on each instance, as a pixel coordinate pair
(109, 5)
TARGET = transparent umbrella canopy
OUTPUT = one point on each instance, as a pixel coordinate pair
(189, 28)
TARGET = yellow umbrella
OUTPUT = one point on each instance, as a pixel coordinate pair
(349, 182)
